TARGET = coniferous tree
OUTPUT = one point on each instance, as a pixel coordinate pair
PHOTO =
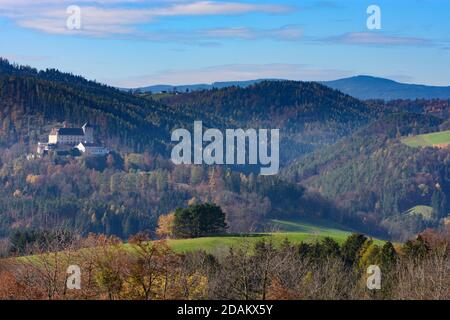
(388, 256)
(199, 220)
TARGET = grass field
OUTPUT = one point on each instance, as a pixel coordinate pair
(296, 231)
(428, 140)
(301, 230)
(424, 211)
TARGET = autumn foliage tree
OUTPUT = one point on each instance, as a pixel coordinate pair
(165, 225)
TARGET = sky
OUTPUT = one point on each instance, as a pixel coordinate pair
(136, 43)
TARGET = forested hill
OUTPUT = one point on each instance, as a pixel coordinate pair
(367, 87)
(372, 174)
(309, 115)
(275, 102)
(30, 99)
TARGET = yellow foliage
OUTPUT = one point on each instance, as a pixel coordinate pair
(34, 179)
(370, 256)
(165, 225)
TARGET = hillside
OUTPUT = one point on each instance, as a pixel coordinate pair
(367, 87)
(375, 176)
(31, 99)
(308, 114)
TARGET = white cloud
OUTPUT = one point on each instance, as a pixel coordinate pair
(216, 8)
(117, 17)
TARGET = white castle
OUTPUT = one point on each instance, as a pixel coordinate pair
(72, 135)
(64, 139)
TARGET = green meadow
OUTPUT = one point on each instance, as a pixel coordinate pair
(297, 231)
(425, 211)
(427, 140)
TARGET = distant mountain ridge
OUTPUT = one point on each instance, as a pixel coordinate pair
(361, 87)
(201, 86)
(368, 87)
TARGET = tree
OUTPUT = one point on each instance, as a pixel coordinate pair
(151, 274)
(351, 248)
(199, 220)
(165, 225)
(388, 256)
(439, 204)
(416, 249)
(329, 248)
(370, 255)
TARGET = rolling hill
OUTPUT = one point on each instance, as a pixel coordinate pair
(367, 87)
(309, 115)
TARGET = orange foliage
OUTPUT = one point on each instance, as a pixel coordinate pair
(165, 225)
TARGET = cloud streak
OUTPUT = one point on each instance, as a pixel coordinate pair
(105, 18)
(291, 33)
(377, 39)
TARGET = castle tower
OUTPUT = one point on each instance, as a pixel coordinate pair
(88, 132)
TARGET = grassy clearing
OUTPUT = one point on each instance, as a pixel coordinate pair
(425, 211)
(428, 140)
(297, 231)
(215, 244)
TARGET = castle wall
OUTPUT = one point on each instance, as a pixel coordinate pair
(52, 139)
(89, 135)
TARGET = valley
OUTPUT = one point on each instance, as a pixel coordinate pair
(193, 157)
(339, 162)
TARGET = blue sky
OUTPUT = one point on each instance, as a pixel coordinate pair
(131, 43)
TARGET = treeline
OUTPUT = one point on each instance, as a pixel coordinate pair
(419, 269)
(436, 107)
